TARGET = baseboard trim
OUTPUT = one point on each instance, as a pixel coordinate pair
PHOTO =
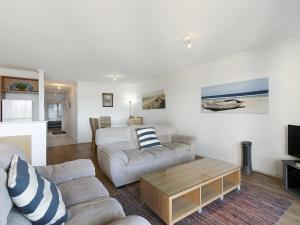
(267, 174)
(84, 140)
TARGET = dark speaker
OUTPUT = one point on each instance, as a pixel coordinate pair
(247, 163)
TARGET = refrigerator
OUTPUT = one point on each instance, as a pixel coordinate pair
(16, 110)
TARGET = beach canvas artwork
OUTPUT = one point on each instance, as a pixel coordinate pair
(250, 96)
(154, 100)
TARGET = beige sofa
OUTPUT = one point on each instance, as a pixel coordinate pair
(86, 199)
(121, 160)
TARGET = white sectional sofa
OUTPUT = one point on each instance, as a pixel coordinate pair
(123, 162)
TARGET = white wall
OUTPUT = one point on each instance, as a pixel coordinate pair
(220, 135)
(37, 130)
(19, 73)
(71, 112)
(41, 77)
(89, 104)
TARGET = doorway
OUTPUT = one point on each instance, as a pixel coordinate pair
(57, 113)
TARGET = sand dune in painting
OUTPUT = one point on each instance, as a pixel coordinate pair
(156, 102)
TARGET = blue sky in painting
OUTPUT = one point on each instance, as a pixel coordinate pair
(238, 87)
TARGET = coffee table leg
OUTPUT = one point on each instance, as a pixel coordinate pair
(239, 187)
(222, 197)
(200, 210)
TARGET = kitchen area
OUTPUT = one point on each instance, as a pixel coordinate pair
(23, 113)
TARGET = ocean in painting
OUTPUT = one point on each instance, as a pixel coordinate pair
(250, 96)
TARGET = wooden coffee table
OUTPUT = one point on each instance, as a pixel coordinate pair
(179, 191)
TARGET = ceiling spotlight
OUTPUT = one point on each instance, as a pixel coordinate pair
(58, 88)
(188, 39)
(188, 43)
(115, 78)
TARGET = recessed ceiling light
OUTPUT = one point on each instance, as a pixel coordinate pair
(58, 88)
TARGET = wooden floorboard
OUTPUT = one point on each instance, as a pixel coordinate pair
(59, 140)
(65, 153)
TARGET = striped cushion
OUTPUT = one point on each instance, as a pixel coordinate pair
(36, 198)
(147, 137)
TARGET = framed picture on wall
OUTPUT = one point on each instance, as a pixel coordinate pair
(107, 100)
(154, 100)
(250, 96)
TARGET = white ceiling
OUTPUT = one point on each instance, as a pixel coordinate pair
(53, 87)
(87, 40)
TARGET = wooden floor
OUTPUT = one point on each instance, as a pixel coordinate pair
(59, 140)
(61, 154)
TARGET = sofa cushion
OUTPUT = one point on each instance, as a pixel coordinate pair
(113, 154)
(37, 199)
(67, 171)
(97, 212)
(137, 156)
(112, 135)
(177, 147)
(16, 218)
(82, 190)
(160, 152)
(147, 137)
(6, 203)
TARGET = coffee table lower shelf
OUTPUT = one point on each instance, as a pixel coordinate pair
(172, 209)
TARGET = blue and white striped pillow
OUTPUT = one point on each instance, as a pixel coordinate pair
(38, 199)
(147, 137)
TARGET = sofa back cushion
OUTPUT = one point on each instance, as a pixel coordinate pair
(127, 136)
(6, 203)
(107, 136)
(38, 199)
(164, 132)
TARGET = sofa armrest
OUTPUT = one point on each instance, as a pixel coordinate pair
(184, 139)
(67, 171)
(131, 220)
(113, 154)
(113, 163)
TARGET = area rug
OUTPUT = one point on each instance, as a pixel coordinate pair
(251, 205)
